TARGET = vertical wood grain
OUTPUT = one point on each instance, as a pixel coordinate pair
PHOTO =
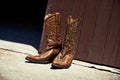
(87, 28)
(113, 38)
(100, 31)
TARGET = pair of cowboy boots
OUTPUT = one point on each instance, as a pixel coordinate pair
(60, 54)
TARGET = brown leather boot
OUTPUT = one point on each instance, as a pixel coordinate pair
(53, 34)
(66, 55)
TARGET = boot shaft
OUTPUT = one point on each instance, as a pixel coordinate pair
(71, 31)
(53, 30)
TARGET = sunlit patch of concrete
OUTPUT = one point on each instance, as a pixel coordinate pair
(13, 66)
(18, 47)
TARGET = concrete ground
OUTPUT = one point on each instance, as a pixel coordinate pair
(16, 42)
(13, 66)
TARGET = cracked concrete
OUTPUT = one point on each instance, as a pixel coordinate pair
(13, 66)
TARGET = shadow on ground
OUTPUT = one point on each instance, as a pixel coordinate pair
(26, 34)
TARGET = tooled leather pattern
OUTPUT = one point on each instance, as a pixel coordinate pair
(69, 43)
(53, 33)
(58, 29)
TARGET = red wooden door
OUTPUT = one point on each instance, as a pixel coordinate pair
(98, 38)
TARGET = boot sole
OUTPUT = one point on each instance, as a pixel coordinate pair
(54, 66)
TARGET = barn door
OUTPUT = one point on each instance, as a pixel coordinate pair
(98, 36)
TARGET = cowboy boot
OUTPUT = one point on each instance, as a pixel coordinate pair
(66, 55)
(53, 35)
